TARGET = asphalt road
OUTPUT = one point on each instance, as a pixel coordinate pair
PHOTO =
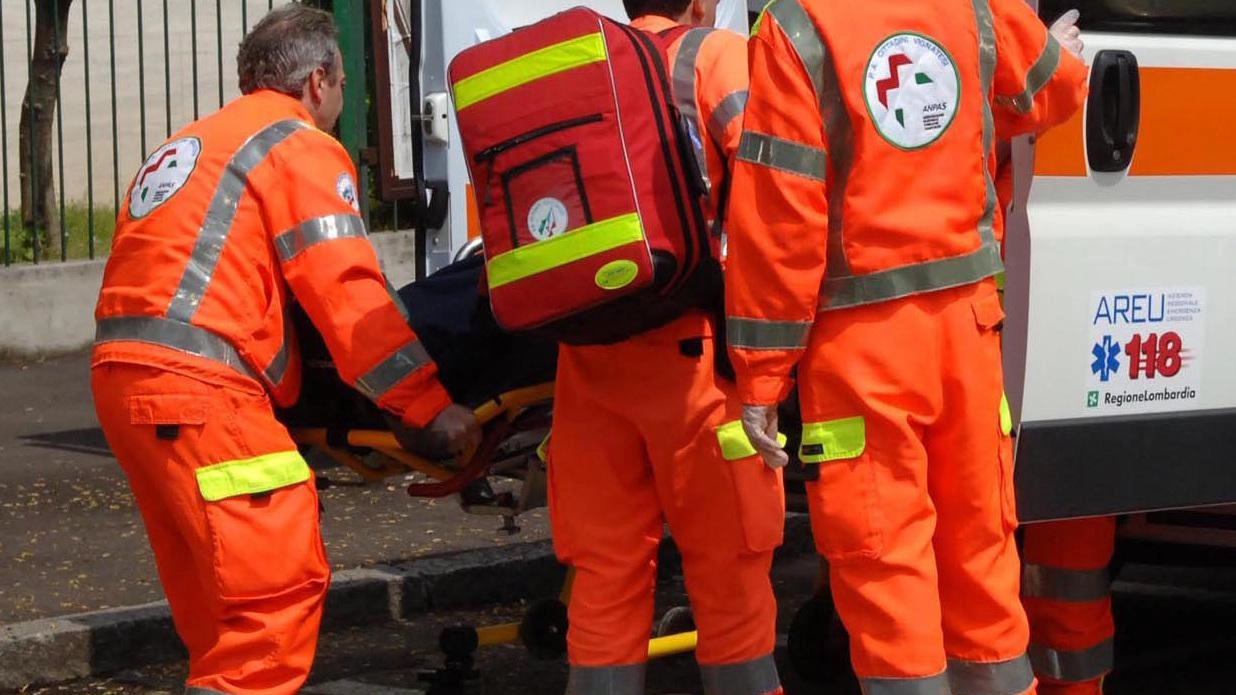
(1174, 638)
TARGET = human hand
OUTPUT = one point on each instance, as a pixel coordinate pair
(760, 424)
(456, 429)
(1067, 34)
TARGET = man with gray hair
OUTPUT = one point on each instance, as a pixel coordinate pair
(224, 225)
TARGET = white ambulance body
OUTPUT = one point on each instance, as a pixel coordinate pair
(1121, 282)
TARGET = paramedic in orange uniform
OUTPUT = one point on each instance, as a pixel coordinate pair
(222, 227)
(646, 432)
(862, 250)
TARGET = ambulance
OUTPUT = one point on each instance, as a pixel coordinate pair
(1120, 291)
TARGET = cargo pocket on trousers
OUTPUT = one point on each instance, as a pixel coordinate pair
(988, 312)
(845, 519)
(262, 516)
(169, 412)
(758, 489)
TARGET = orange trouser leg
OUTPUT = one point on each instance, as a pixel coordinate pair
(634, 443)
(245, 576)
(917, 521)
(1067, 594)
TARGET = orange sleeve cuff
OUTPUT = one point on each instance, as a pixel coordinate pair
(763, 390)
(431, 400)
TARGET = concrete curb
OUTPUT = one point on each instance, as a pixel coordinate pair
(53, 650)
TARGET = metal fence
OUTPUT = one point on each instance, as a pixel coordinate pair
(136, 71)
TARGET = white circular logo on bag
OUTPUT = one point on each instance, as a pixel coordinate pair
(912, 90)
(346, 188)
(164, 172)
(547, 219)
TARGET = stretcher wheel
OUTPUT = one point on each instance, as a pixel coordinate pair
(543, 630)
(818, 644)
(457, 676)
(676, 621)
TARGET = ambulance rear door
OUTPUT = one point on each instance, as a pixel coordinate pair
(1121, 282)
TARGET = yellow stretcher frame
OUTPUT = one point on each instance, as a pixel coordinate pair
(398, 461)
(658, 647)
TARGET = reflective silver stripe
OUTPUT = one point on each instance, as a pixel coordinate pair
(278, 367)
(1011, 677)
(220, 215)
(316, 231)
(927, 685)
(908, 280)
(684, 89)
(813, 53)
(203, 691)
(684, 72)
(1059, 584)
(783, 155)
(172, 334)
(606, 680)
(755, 677)
(393, 370)
(1038, 77)
(1073, 667)
(987, 73)
(758, 334)
(803, 36)
(725, 112)
(403, 308)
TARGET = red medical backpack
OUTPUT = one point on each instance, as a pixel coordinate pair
(590, 199)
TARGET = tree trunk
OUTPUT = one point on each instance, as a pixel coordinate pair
(39, 211)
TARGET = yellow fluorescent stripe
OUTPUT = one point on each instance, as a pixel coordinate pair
(734, 443)
(833, 440)
(595, 238)
(1006, 416)
(251, 476)
(547, 61)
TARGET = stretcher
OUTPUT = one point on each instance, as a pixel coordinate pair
(513, 405)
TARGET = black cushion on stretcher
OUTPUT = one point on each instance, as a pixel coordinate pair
(476, 359)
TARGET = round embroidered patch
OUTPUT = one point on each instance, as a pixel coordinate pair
(164, 172)
(547, 218)
(346, 188)
(912, 90)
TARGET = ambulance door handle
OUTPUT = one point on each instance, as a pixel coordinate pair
(1113, 114)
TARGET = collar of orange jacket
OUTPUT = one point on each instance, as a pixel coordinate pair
(282, 103)
(653, 23)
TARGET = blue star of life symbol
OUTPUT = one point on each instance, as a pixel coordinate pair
(1105, 358)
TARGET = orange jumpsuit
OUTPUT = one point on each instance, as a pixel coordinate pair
(644, 433)
(223, 225)
(862, 247)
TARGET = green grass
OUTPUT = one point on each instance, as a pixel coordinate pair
(77, 227)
